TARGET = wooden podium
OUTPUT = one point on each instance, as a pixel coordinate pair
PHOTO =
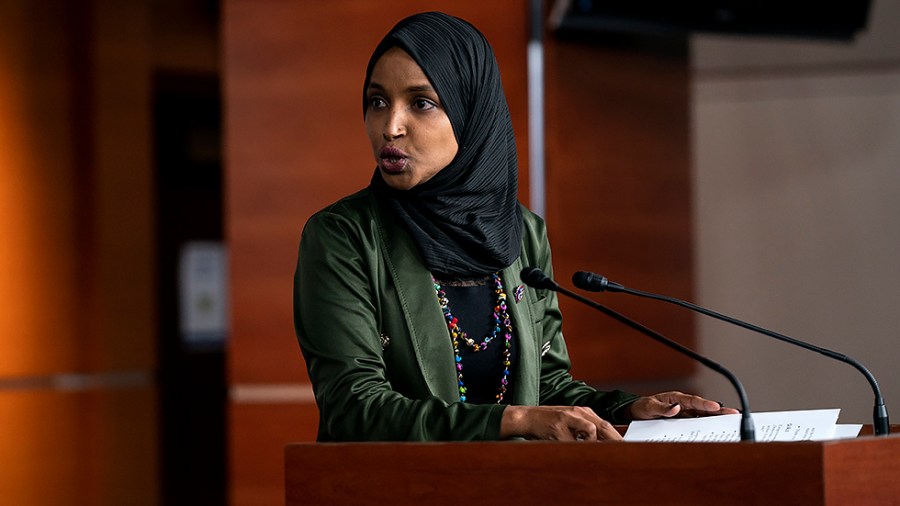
(860, 471)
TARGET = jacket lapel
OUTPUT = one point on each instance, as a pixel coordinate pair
(427, 329)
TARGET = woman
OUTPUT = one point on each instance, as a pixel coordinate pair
(409, 308)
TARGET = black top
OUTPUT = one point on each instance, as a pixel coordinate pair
(473, 307)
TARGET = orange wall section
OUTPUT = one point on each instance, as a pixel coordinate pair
(76, 267)
(121, 221)
(78, 447)
(76, 263)
(37, 198)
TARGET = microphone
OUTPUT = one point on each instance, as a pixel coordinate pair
(535, 278)
(597, 283)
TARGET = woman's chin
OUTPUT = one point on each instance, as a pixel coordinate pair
(399, 181)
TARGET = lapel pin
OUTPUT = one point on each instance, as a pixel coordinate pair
(519, 293)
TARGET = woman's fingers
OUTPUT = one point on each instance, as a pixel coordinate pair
(676, 404)
(594, 427)
(560, 423)
(606, 432)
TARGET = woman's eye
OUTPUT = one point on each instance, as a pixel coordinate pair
(377, 102)
(423, 104)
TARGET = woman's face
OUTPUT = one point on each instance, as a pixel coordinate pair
(411, 135)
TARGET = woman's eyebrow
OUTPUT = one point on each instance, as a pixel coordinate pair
(420, 87)
(416, 88)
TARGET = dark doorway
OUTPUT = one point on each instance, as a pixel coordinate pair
(187, 128)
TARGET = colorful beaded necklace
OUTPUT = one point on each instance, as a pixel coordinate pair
(502, 325)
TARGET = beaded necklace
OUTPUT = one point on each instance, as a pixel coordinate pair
(502, 326)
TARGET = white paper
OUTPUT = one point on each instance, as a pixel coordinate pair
(808, 425)
(847, 430)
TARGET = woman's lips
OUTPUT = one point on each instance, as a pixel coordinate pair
(393, 160)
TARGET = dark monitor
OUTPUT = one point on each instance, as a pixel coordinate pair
(838, 19)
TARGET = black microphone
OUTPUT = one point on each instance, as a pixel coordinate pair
(597, 283)
(535, 278)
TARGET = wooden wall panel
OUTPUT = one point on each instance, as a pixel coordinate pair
(76, 269)
(80, 448)
(257, 441)
(37, 199)
(122, 276)
(618, 200)
(44, 438)
(123, 452)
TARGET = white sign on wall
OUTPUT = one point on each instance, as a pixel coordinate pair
(203, 293)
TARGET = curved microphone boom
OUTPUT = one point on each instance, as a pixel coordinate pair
(596, 283)
(535, 278)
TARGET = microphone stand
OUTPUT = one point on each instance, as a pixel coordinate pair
(881, 424)
(536, 278)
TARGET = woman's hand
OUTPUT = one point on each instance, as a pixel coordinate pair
(559, 423)
(675, 404)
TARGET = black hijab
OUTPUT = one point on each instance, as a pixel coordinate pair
(465, 220)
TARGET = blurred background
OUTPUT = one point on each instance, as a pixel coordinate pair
(158, 159)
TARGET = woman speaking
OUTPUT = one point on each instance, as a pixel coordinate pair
(408, 305)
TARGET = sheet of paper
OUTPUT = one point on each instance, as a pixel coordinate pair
(847, 430)
(808, 425)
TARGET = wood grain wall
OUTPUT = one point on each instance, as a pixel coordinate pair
(77, 404)
(617, 193)
(619, 199)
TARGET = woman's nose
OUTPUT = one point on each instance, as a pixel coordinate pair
(395, 126)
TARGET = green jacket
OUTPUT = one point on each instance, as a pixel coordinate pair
(376, 344)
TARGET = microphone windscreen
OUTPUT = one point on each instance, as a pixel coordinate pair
(535, 278)
(589, 281)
